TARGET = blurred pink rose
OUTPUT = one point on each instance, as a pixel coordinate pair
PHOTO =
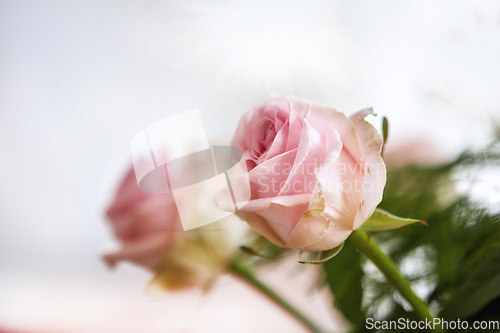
(416, 152)
(315, 174)
(146, 224)
(150, 233)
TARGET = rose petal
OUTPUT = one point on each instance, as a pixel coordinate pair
(264, 203)
(324, 118)
(335, 235)
(278, 213)
(374, 167)
(338, 209)
(312, 225)
(156, 212)
(295, 129)
(311, 154)
(265, 178)
(144, 252)
(263, 227)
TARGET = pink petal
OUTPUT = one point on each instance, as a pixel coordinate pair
(310, 155)
(146, 252)
(276, 217)
(323, 119)
(267, 178)
(374, 171)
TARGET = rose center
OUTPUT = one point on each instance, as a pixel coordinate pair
(263, 138)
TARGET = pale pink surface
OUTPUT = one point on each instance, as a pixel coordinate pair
(146, 224)
(315, 174)
(117, 303)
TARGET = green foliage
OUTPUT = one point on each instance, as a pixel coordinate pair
(482, 287)
(455, 261)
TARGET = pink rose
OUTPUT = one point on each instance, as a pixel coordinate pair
(150, 233)
(146, 224)
(315, 174)
(416, 152)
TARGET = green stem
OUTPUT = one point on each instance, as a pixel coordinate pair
(370, 248)
(244, 271)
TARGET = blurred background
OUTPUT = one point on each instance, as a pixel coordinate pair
(79, 79)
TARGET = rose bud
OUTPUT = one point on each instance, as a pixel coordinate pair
(315, 175)
(149, 230)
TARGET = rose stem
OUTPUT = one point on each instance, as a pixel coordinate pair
(369, 248)
(245, 272)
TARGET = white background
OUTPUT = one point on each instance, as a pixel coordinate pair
(79, 78)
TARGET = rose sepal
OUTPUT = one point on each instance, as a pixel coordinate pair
(382, 220)
(321, 257)
(251, 252)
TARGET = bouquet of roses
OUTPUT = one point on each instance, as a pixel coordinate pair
(314, 182)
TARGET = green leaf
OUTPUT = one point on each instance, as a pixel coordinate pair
(321, 257)
(344, 275)
(382, 220)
